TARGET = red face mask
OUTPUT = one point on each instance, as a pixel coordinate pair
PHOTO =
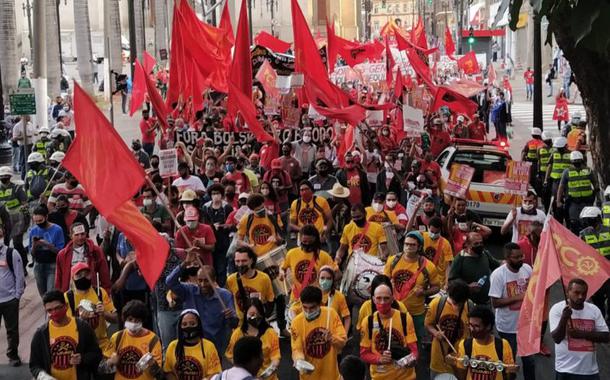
(58, 314)
(306, 195)
(383, 308)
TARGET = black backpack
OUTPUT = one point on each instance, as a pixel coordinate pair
(316, 206)
(498, 343)
(71, 302)
(441, 306)
(9, 262)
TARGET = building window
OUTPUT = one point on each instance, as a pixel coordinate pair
(376, 25)
(404, 7)
(376, 9)
(322, 11)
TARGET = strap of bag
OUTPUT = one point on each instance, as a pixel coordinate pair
(297, 289)
(406, 288)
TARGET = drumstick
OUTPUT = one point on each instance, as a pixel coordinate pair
(328, 314)
(390, 332)
(285, 286)
(446, 339)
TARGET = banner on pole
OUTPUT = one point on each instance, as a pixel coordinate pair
(517, 177)
(168, 163)
(413, 120)
(459, 180)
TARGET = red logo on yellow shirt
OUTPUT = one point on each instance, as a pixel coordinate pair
(317, 345)
(261, 233)
(381, 340)
(128, 357)
(452, 326)
(190, 369)
(301, 271)
(362, 242)
(378, 218)
(429, 253)
(62, 349)
(400, 278)
(308, 216)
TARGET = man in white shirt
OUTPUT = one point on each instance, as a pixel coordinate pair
(25, 134)
(187, 181)
(519, 219)
(508, 284)
(575, 328)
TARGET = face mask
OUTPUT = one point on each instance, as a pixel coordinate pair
(216, 197)
(133, 327)
(313, 315)
(73, 183)
(230, 168)
(463, 226)
(433, 235)
(323, 172)
(243, 269)
(527, 207)
(383, 308)
(286, 153)
(359, 222)
(192, 224)
(58, 315)
(429, 213)
(260, 213)
(391, 204)
(326, 284)
(255, 321)
(82, 283)
(265, 192)
(147, 202)
(307, 247)
(516, 266)
(62, 210)
(307, 139)
(190, 332)
(230, 195)
(42, 225)
(191, 271)
(5, 181)
(378, 207)
(478, 249)
(306, 195)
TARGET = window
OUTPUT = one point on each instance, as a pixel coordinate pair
(404, 7)
(376, 26)
(441, 159)
(486, 165)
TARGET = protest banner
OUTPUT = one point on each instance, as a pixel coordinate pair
(459, 180)
(168, 163)
(374, 118)
(413, 120)
(517, 177)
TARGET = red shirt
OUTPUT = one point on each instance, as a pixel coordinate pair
(477, 131)
(353, 183)
(433, 166)
(148, 137)
(268, 153)
(241, 181)
(529, 77)
(529, 251)
(203, 231)
(439, 141)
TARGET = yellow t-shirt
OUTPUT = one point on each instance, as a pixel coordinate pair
(352, 236)
(260, 231)
(401, 274)
(308, 343)
(454, 328)
(196, 364)
(367, 308)
(337, 303)
(298, 263)
(63, 341)
(271, 348)
(310, 214)
(378, 343)
(258, 286)
(383, 216)
(130, 350)
(485, 352)
(445, 254)
(97, 323)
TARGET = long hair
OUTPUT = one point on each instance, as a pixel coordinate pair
(329, 270)
(272, 193)
(260, 309)
(181, 341)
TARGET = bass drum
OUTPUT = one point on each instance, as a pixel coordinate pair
(359, 272)
(270, 263)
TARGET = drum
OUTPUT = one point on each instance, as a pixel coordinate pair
(392, 238)
(445, 376)
(270, 263)
(359, 273)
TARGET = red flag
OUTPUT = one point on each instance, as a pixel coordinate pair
(306, 55)
(466, 87)
(389, 63)
(99, 158)
(418, 35)
(331, 46)
(267, 77)
(248, 112)
(421, 69)
(354, 54)
(155, 99)
(345, 144)
(449, 45)
(561, 254)
(225, 23)
(389, 29)
(456, 102)
(398, 86)
(138, 89)
(491, 74)
(149, 62)
(468, 63)
(270, 42)
(241, 68)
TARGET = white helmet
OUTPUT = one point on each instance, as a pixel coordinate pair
(546, 135)
(590, 212)
(6, 170)
(35, 157)
(56, 133)
(460, 118)
(560, 142)
(576, 155)
(607, 191)
(44, 130)
(57, 156)
(536, 132)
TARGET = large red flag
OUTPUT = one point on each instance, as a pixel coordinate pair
(149, 62)
(267, 77)
(225, 23)
(345, 144)
(331, 46)
(241, 67)
(248, 112)
(398, 86)
(155, 99)
(456, 102)
(421, 69)
(389, 63)
(270, 42)
(418, 35)
(138, 90)
(469, 64)
(561, 255)
(449, 45)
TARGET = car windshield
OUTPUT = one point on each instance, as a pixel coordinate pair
(489, 167)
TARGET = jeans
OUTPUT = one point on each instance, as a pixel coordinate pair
(16, 158)
(566, 87)
(569, 376)
(124, 102)
(529, 90)
(9, 311)
(148, 148)
(167, 322)
(529, 364)
(500, 129)
(550, 83)
(44, 273)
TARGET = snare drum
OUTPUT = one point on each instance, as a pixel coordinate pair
(359, 273)
(270, 263)
(392, 239)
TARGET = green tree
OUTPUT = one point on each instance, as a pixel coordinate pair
(582, 31)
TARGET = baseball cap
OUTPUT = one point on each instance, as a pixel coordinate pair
(276, 163)
(191, 214)
(78, 267)
(243, 196)
(536, 132)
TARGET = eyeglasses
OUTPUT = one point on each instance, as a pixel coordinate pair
(410, 244)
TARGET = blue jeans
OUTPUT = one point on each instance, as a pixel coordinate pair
(167, 322)
(529, 363)
(16, 158)
(529, 90)
(569, 376)
(44, 273)
(566, 87)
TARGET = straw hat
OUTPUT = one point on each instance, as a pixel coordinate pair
(339, 191)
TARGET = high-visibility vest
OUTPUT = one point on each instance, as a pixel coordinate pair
(599, 241)
(41, 147)
(532, 150)
(9, 198)
(579, 183)
(544, 156)
(31, 173)
(560, 163)
(606, 215)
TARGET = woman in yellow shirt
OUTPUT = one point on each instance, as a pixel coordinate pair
(255, 325)
(190, 356)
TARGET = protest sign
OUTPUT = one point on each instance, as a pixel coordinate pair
(459, 180)
(413, 121)
(168, 163)
(374, 118)
(517, 177)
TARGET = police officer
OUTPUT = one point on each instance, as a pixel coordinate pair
(41, 146)
(579, 187)
(14, 200)
(598, 238)
(606, 209)
(560, 161)
(543, 156)
(37, 177)
(530, 153)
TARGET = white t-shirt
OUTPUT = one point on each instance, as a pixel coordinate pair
(577, 356)
(523, 222)
(504, 283)
(192, 182)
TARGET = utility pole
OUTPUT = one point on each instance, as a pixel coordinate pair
(537, 72)
(27, 9)
(460, 25)
(250, 19)
(61, 58)
(133, 50)
(1, 97)
(40, 62)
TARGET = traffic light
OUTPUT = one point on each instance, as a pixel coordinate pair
(470, 36)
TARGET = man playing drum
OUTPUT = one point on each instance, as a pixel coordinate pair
(362, 235)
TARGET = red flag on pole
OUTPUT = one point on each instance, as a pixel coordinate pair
(421, 69)
(398, 85)
(561, 255)
(149, 62)
(138, 89)
(155, 99)
(449, 45)
(241, 67)
(270, 42)
(389, 63)
(225, 23)
(331, 46)
(469, 64)
(456, 102)
(418, 35)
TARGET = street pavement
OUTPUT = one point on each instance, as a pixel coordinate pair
(32, 313)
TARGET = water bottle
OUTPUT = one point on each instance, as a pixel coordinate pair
(482, 281)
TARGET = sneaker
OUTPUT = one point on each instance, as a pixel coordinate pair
(15, 362)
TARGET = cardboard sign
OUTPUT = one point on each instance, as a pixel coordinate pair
(413, 120)
(168, 163)
(459, 180)
(374, 118)
(517, 177)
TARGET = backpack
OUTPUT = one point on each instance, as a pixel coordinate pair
(441, 306)
(316, 206)
(499, 346)
(9, 262)
(71, 302)
(273, 221)
(403, 321)
(151, 345)
(37, 185)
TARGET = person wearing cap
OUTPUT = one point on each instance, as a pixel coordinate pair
(530, 151)
(439, 137)
(460, 130)
(60, 139)
(310, 209)
(476, 129)
(37, 177)
(198, 235)
(41, 146)
(340, 213)
(81, 249)
(559, 161)
(92, 305)
(543, 156)
(322, 180)
(577, 137)
(186, 181)
(14, 199)
(579, 187)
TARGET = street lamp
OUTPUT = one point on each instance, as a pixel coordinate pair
(27, 10)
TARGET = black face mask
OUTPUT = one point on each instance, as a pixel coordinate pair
(73, 183)
(255, 321)
(82, 283)
(360, 222)
(286, 153)
(191, 332)
(517, 266)
(429, 213)
(5, 181)
(42, 225)
(323, 172)
(307, 247)
(191, 271)
(242, 269)
(62, 210)
(478, 249)
(154, 164)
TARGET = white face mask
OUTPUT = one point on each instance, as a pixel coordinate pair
(306, 139)
(391, 204)
(527, 207)
(216, 197)
(378, 207)
(133, 327)
(192, 224)
(147, 202)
